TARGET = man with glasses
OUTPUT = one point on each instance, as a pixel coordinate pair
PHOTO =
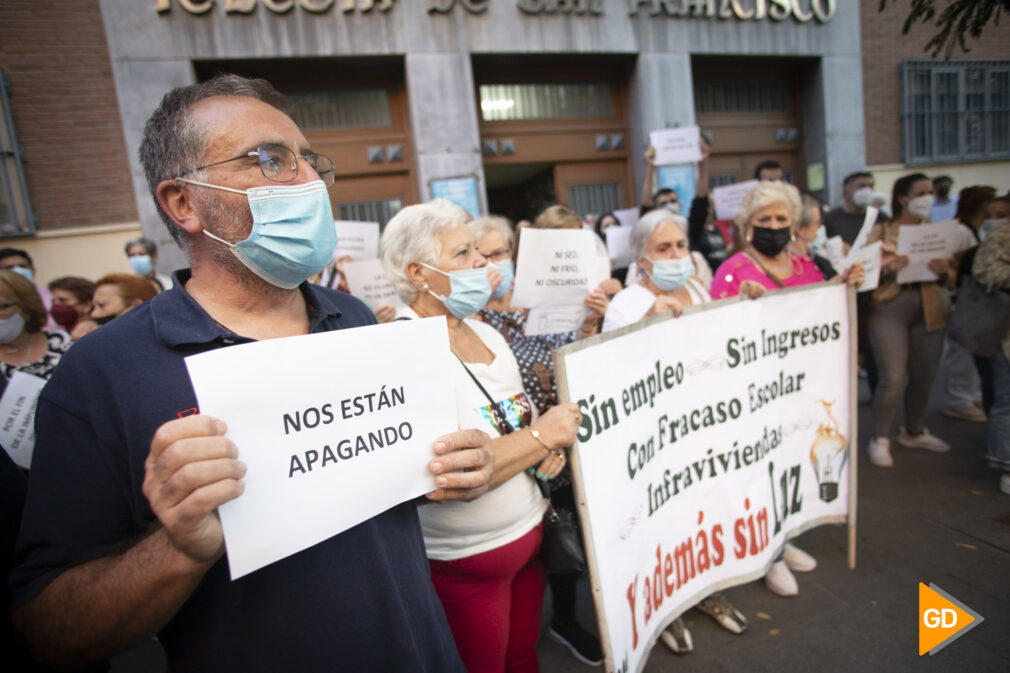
(121, 538)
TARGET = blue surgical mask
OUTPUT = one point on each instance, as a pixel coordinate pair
(293, 235)
(818, 243)
(507, 269)
(25, 272)
(141, 264)
(988, 226)
(669, 274)
(469, 290)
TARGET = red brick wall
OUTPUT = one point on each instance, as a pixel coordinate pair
(63, 100)
(884, 47)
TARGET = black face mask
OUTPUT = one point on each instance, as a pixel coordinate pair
(943, 192)
(770, 242)
(104, 319)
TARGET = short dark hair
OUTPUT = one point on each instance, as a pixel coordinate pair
(663, 191)
(82, 288)
(941, 178)
(851, 177)
(172, 142)
(16, 252)
(972, 200)
(902, 186)
(149, 246)
(769, 164)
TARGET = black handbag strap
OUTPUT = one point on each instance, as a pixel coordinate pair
(494, 406)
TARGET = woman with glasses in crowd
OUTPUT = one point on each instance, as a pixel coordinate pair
(535, 356)
(24, 345)
(483, 554)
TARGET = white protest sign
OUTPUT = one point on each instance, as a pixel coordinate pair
(555, 267)
(676, 146)
(729, 199)
(864, 232)
(922, 243)
(17, 416)
(367, 280)
(334, 427)
(834, 251)
(359, 240)
(619, 245)
(869, 255)
(555, 319)
(702, 449)
(627, 216)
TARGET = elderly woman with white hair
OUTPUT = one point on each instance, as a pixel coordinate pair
(483, 554)
(769, 214)
(668, 281)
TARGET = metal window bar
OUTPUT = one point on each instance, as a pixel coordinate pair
(595, 199)
(512, 102)
(955, 111)
(16, 215)
(380, 211)
(347, 109)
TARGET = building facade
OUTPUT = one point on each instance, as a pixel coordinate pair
(514, 104)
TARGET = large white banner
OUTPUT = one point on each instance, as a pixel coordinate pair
(706, 442)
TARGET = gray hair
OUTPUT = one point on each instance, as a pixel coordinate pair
(808, 203)
(764, 194)
(412, 236)
(648, 223)
(482, 226)
(174, 143)
(150, 247)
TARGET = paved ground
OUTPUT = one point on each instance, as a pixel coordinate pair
(933, 518)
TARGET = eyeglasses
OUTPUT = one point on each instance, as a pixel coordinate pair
(279, 164)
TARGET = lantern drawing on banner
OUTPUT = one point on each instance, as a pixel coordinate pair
(828, 455)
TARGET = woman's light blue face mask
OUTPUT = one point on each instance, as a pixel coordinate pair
(669, 274)
(469, 290)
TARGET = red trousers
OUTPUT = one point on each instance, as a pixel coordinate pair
(492, 601)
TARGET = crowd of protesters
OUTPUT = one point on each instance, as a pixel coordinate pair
(120, 540)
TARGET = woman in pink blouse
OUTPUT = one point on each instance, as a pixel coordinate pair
(768, 217)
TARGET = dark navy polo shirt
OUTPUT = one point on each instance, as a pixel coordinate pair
(360, 601)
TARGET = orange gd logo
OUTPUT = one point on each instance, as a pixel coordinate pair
(942, 619)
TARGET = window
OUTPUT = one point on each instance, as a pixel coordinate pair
(355, 108)
(380, 211)
(16, 217)
(741, 97)
(955, 111)
(508, 102)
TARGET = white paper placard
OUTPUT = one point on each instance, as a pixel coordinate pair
(555, 319)
(869, 255)
(922, 243)
(676, 146)
(619, 245)
(864, 232)
(628, 217)
(17, 416)
(555, 267)
(367, 280)
(834, 252)
(729, 199)
(360, 240)
(335, 428)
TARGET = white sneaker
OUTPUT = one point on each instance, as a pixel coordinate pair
(780, 580)
(968, 412)
(677, 637)
(924, 440)
(879, 450)
(798, 560)
(1004, 483)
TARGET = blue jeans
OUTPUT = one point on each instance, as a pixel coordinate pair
(998, 452)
